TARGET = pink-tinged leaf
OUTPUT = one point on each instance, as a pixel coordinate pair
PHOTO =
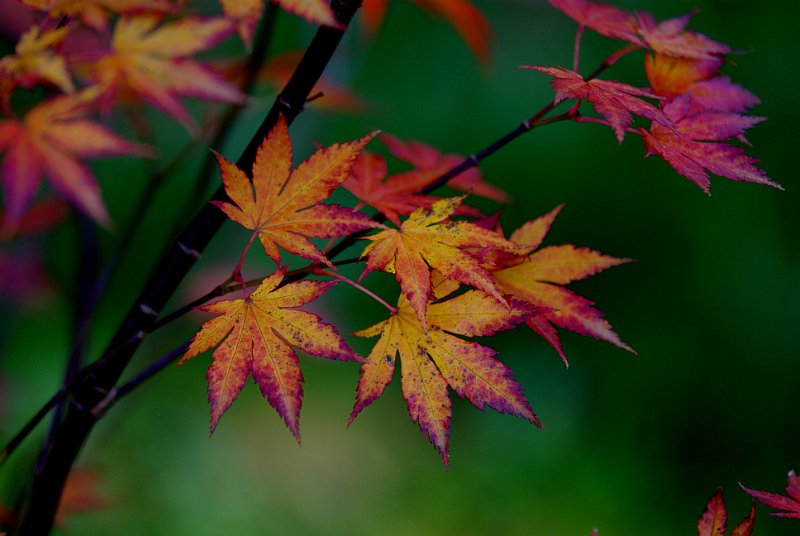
(721, 95)
(257, 336)
(154, 62)
(95, 13)
(671, 38)
(536, 278)
(691, 148)
(245, 14)
(50, 141)
(36, 60)
(394, 196)
(313, 11)
(542, 327)
(790, 504)
(605, 19)
(615, 101)
(713, 521)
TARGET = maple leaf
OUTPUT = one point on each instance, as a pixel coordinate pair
(51, 140)
(429, 159)
(393, 196)
(435, 359)
(615, 101)
(670, 76)
(314, 11)
(468, 21)
(790, 504)
(721, 95)
(95, 13)
(256, 336)
(605, 19)
(429, 239)
(245, 14)
(538, 278)
(36, 60)
(714, 519)
(692, 147)
(671, 38)
(285, 207)
(152, 62)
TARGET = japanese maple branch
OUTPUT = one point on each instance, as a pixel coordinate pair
(42, 500)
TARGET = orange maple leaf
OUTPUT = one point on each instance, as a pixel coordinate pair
(95, 13)
(245, 14)
(152, 62)
(538, 278)
(314, 11)
(603, 18)
(52, 140)
(36, 60)
(468, 21)
(257, 336)
(285, 207)
(429, 239)
(434, 359)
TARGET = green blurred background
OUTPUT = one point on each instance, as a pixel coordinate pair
(631, 444)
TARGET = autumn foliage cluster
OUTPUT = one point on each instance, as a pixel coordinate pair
(459, 273)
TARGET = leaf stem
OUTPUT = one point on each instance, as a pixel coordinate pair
(576, 54)
(358, 286)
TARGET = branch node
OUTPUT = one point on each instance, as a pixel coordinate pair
(289, 106)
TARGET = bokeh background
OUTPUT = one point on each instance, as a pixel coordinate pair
(630, 444)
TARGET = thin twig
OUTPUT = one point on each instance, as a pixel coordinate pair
(357, 286)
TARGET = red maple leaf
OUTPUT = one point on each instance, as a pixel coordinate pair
(693, 146)
(431, 160)
(605, 19)
(721, 95)
(714, 520)
(671, 38)
(615, 101)
(789, 504)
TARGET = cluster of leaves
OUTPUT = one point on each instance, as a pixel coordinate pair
(440, 247)
(697, 110)
(460, 276)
